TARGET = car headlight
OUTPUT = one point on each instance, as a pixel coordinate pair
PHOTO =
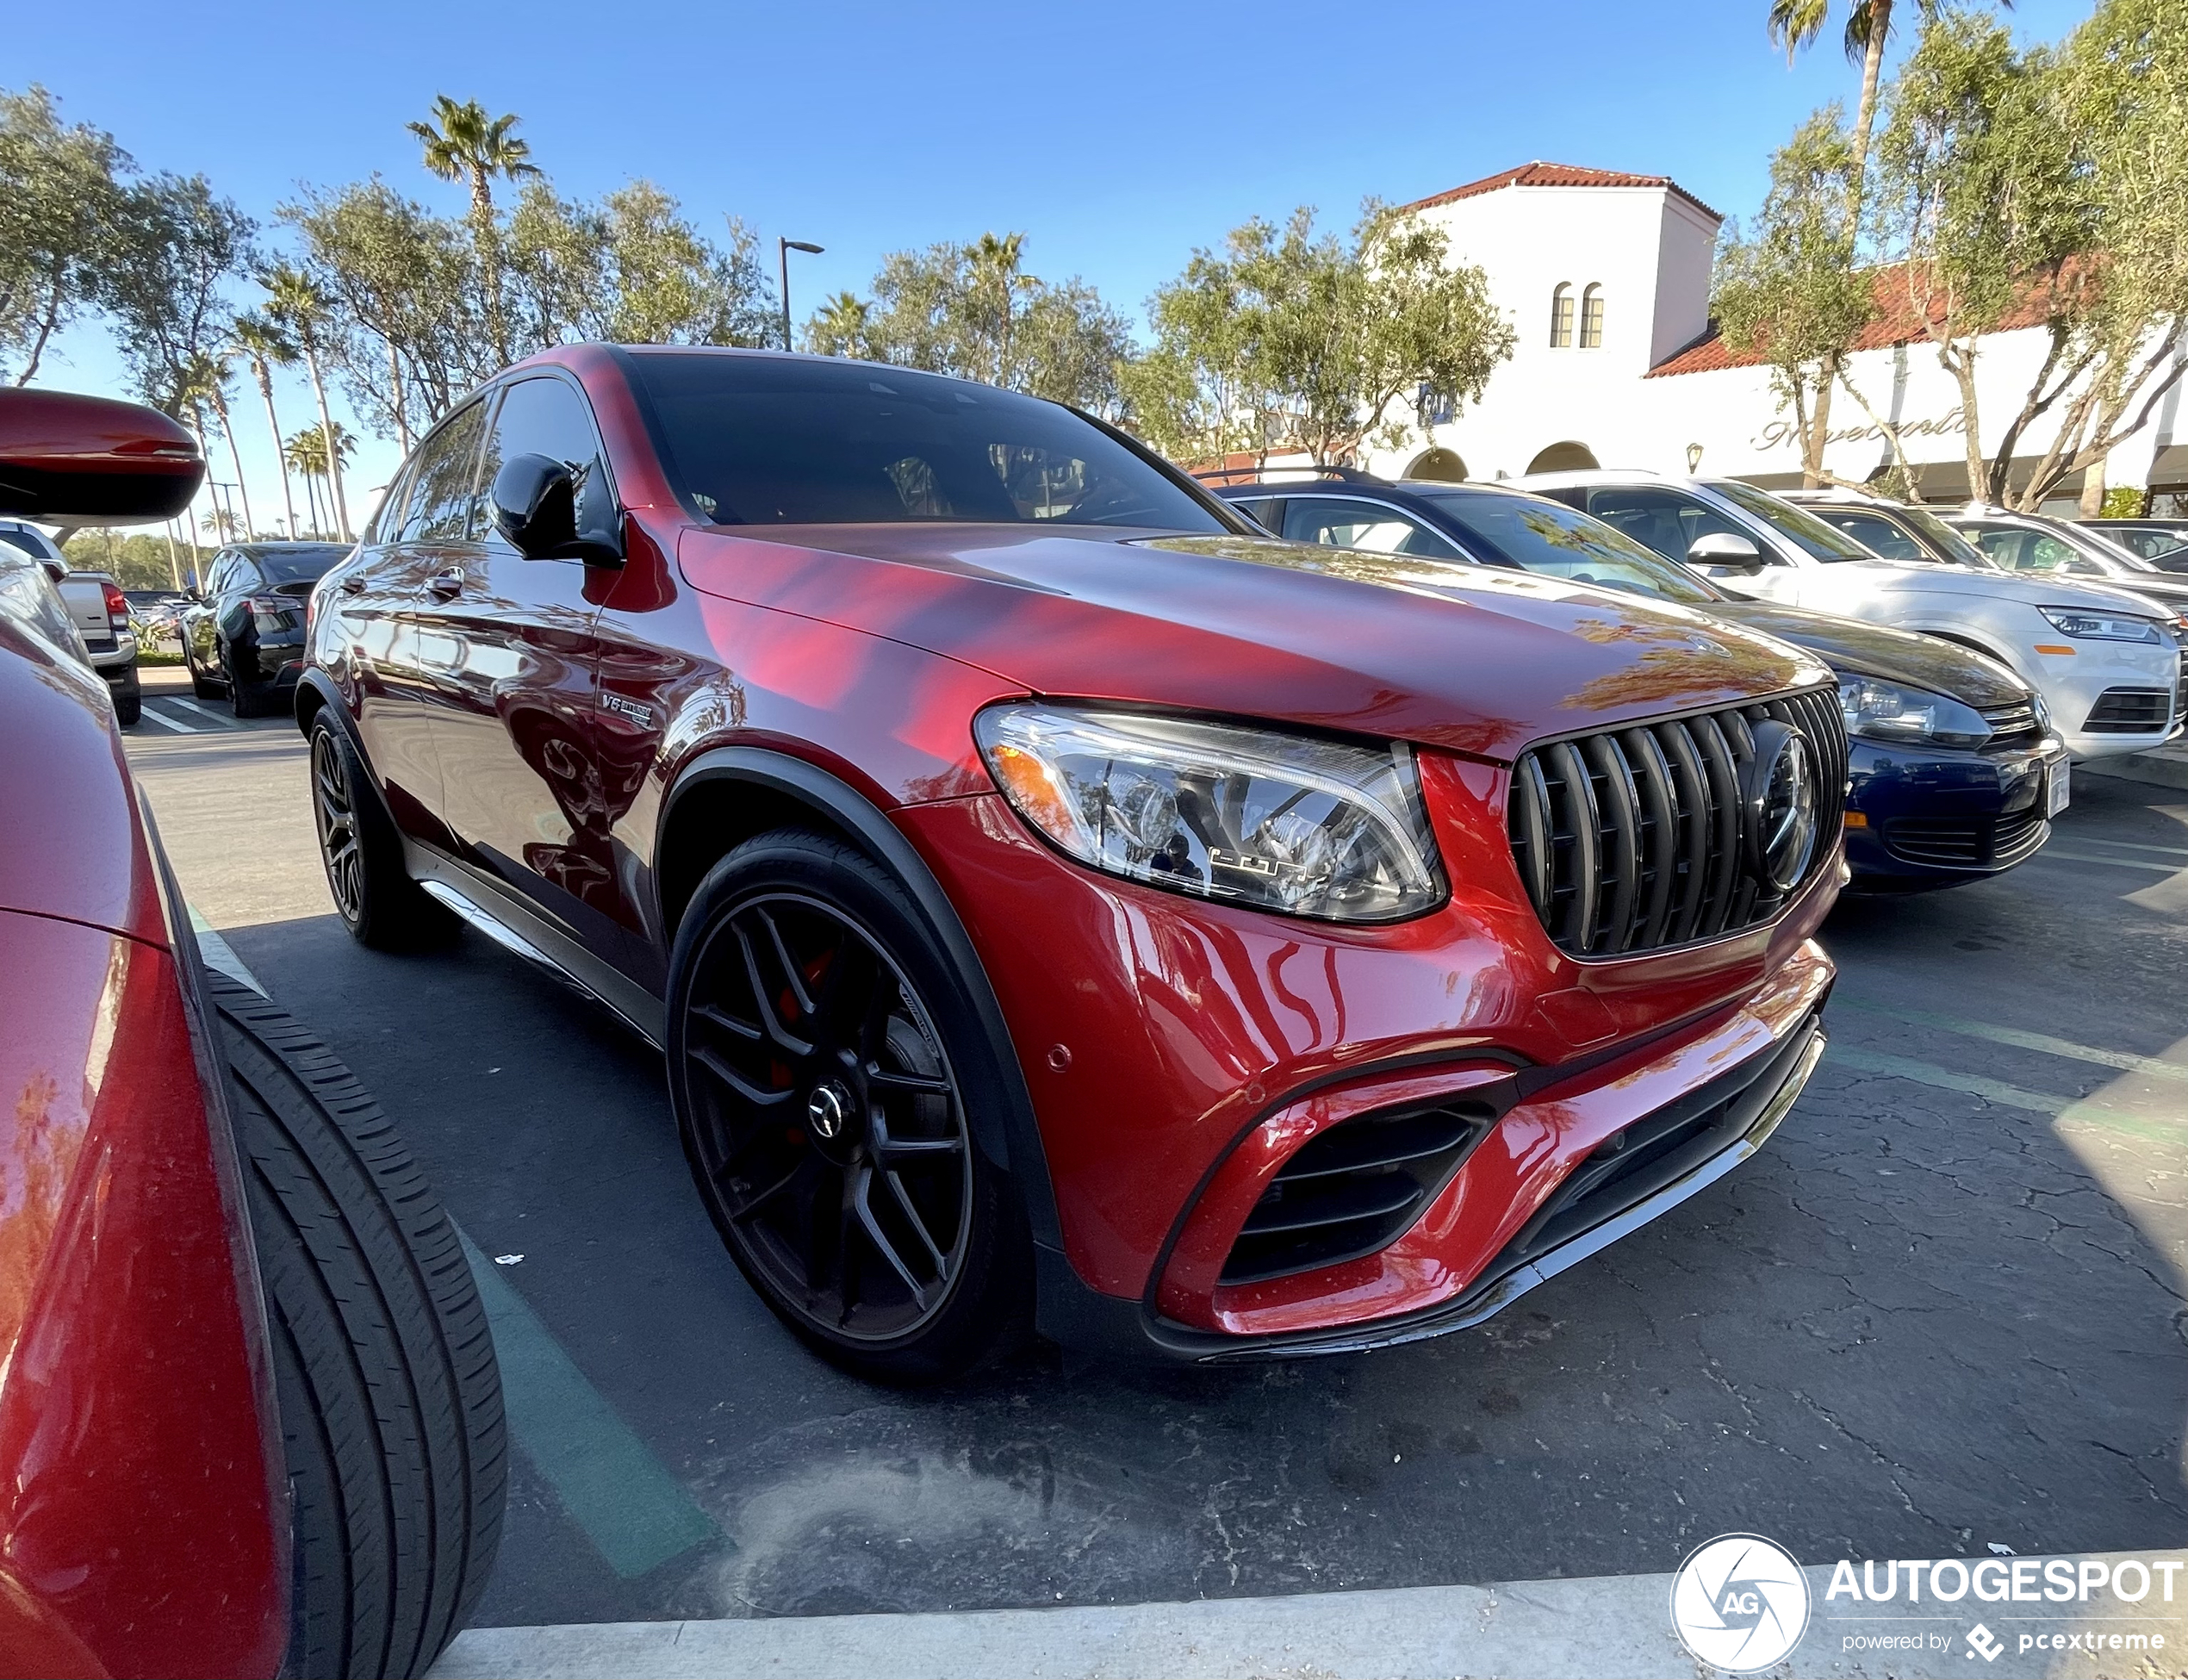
(2100, 626)
(1257, 817)
(1880, 711)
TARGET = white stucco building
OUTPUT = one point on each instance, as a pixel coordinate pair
(1605, 278)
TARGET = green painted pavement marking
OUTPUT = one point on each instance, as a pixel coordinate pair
(2067, 1111)
(2156, 1067)
(636, 1514)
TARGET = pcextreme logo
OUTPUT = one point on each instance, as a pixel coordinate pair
(1740, 1604)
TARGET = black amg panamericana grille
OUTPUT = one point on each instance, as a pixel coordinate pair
(1354, 1189)
(1632, 839)
(1986, 841)
(2130, 712)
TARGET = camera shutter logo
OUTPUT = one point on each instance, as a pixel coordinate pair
(1740, 1604)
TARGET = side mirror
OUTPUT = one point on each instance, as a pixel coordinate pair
(535, 507)
(1727, 550)
(64, 455)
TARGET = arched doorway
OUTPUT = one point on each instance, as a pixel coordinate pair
(1442, 466)
(1565, 457)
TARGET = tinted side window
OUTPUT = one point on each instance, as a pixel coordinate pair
(1340, 524)
(387, 519)
(1876, 533)
(1663, 520)
(546, 417)
(447, 494)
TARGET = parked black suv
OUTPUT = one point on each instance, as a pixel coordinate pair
(243, 635)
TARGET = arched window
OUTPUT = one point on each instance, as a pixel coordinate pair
(1561, 318)
(1567, 456)
(1591, 319)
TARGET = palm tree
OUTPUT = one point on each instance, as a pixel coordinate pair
(995, 280)
(840, 326)
(204, 378)
(1794, 24)
(302, 307)
(309, 455)
(266, 346)
(463, 143)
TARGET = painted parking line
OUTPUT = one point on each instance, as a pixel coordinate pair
(204, 712)
(636, 1514)
(2156, 1067)
(152, 713)
(2072, 1111)
(2130, 846)
(1601, 1624)
(2058, 854)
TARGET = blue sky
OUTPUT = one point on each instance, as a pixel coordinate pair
(1117, 137)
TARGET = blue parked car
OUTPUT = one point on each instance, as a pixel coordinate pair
(1954, 766)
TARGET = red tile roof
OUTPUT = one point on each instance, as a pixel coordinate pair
(1894, 322)
(1540, 174)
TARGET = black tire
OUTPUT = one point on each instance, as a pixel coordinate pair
(129, 708)
(898, 1174)
(362, 852)
(390, 1399)
(244, 700)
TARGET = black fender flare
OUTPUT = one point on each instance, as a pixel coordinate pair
(1011, 1140)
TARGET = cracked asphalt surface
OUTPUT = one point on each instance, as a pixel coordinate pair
(1947, 1307)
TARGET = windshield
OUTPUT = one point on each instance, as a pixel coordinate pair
(295, 565)
(1948, 541)
(1548, 537)
(2103, 546)
(775, 441)
(1798, 523)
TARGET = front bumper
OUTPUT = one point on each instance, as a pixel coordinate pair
(1178, 1053)
(2075, 685)
(1931, 816)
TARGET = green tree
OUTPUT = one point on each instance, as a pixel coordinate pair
(1789, 290)
(319, 454)
(301, 308)
(631, 269)
(974, 311)
(405, 309)
(59, 201)
(257, 340)
(462, 143)
(842, 326)
(2118, 308)
(1986, 202)
(165, 282)
(1324, 343)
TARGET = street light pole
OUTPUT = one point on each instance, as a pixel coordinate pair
(783, 248)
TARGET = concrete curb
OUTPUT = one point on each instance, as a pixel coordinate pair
(1613, 1627)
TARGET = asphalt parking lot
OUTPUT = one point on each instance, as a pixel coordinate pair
(1947, 1308)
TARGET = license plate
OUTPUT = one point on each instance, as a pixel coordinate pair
(2055, 788)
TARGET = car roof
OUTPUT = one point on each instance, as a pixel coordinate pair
(1576, 475)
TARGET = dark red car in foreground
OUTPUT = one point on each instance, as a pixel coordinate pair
(250, 1418)
(1059, 903)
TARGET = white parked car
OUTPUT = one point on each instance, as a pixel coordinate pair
(2107, 661)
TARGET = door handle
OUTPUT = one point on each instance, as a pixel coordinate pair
(446, 583)
(352, 586)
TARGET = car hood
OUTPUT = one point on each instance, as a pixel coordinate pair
(1897, 656)
(1463, 657)
(1936, 580)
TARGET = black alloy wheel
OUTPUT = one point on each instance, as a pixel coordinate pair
(830, 1128)
(378, 902)
(334, 811)
(824, 1081)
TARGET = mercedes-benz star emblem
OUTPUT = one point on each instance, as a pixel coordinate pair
(1777, 788)
(825, 1111)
